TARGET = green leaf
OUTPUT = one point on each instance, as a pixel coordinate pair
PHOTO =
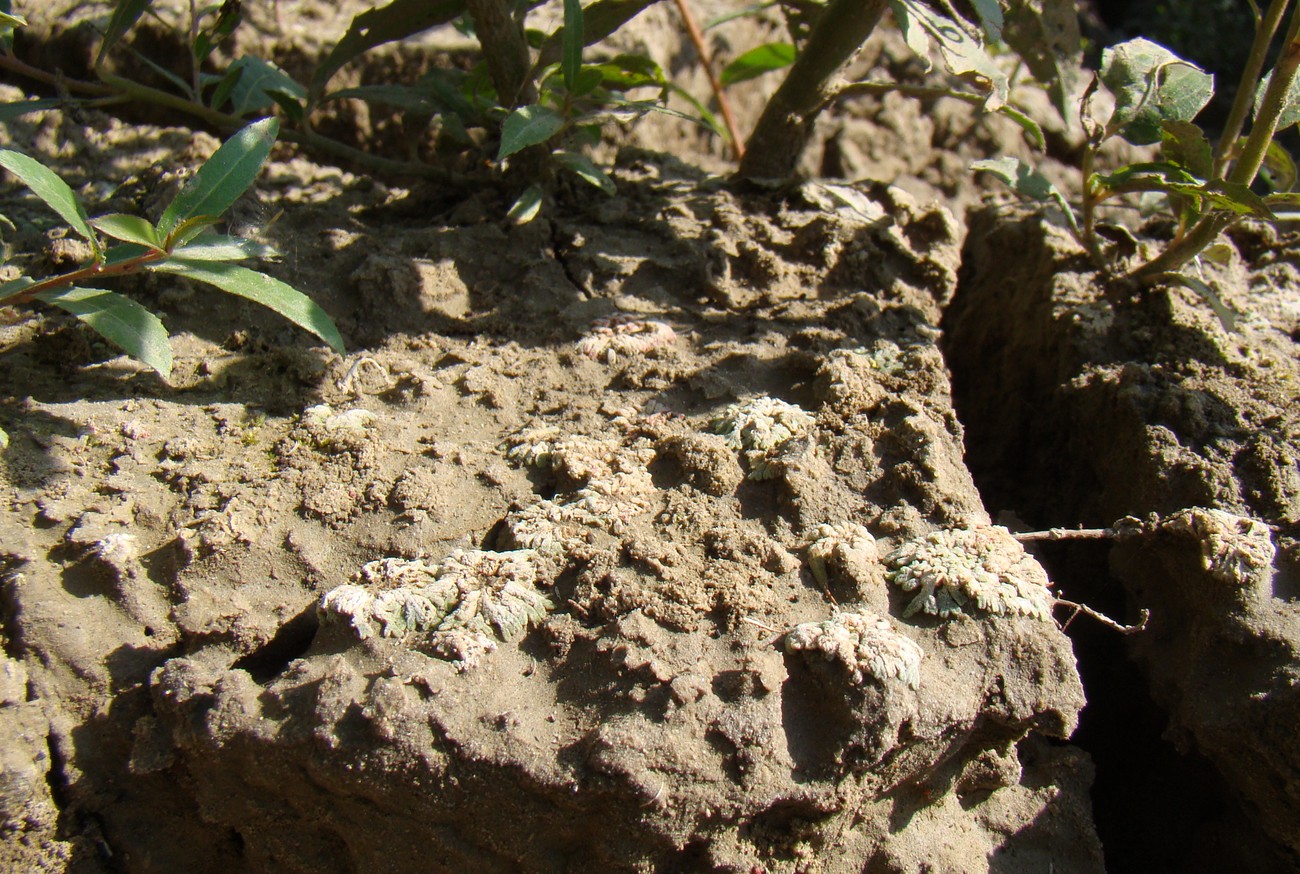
(1046, 36)
(1290, 105)
(1279, 167)
(258, 80)
(188, 230)
(962, 54)
(528, 126)
(586, 169)
(571, 41)
(15, 287)
(225, 176)
(374, 27)
(588, 80)
(599, 20)
(225, 85)
(49, 187)
(10, 111)
(1151, 84)
(120, 320)
(1028, 182)
(756, 62)
(1227, 315)
(406, 97)
(1228, 196)
(10, 20)
(130, 228)
(219, 247)
(260, 288)
(525, 209)
(4, 439)
(1156, 173)
(1033, 132)
(125, 14)
(1184, 144)
(990, 16)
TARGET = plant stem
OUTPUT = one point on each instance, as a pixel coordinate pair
(697, 38)
(1247, 166)
(1265, 30)
(778, 140)
(95, 271)
(505, 50)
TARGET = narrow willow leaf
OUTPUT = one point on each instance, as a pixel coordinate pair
(125, 14)
(402, 96)
(376, 26)
(219, 247)
(1151, 84)
(260, 288)
(1033, 132)
(631, 71)
(571, 41)
(584, 168)
(1226, 314)
(119, 320)
(225, 176)
(528, 126)
(188, 230)
(49, 187)
(9, 20)
(258, 80)
(757, 61)
(1028, 182)
(129, 228)
(525, 209)
(962, 54)
(599, 20)
(10, 111)
(1046, 36)
(707, 118)
(15, 287)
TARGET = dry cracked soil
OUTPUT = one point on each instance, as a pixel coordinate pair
(668, 532)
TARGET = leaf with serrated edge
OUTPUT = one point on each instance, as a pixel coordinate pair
(224, 177)
(120, 320)
(49, 187)
(260, 288)
(525, 209)
(528, 126)
(130, 228)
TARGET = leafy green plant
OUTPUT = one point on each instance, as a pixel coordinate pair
(182, 243)
(1204, 187)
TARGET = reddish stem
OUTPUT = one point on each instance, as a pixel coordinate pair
(697, 39)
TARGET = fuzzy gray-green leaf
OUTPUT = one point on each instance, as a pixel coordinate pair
(962, 53)
(1151, 84)
(260, 288)
(224, 177)
(120, 320)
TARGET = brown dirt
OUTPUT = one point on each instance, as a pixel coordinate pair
(176, 695)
